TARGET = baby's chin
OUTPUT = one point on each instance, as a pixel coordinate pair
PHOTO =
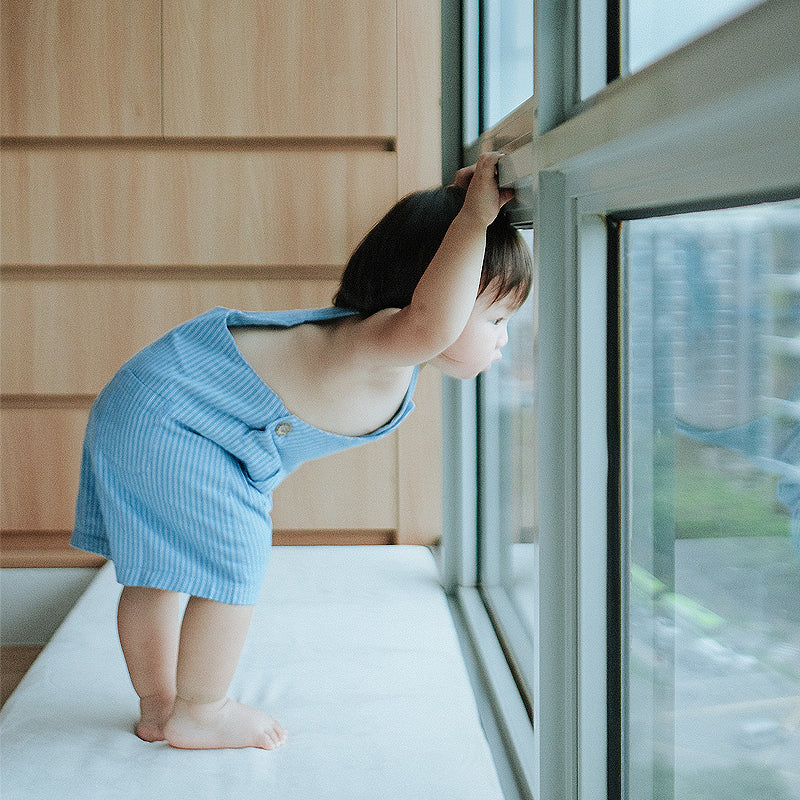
(459, 371)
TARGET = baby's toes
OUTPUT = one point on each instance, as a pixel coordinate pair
(278, 735)
(271, 740)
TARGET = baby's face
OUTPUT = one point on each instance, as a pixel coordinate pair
(482, 339)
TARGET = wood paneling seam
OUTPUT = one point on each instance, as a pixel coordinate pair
(46, 401)
(384, 144)
(293, 272)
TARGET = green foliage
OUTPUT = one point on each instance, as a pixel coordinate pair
(719, 493)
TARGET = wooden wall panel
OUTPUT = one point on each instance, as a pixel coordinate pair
(80, 68)
(135, 204)
(284, 68)
(418, 166)
(419, 116)
(419, 464)
(67, 336)
(40, 467)
(355, 489)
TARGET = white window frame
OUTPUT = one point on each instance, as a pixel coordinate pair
(704, 127)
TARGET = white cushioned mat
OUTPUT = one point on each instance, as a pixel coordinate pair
(352, 648)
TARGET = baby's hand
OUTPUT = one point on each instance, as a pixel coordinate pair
(484, 197)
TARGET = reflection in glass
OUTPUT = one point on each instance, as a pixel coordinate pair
(713, 496)
(508, 61)
(655, 27)
(508, 479)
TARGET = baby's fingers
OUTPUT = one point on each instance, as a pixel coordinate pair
(485, 173)
(506, 195)
(488, 160)
(464, 176)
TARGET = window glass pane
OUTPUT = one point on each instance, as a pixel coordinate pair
(508, 467)
(591, 46)
(470, 67)
(655, 27)
(713, 497)
(508, 60)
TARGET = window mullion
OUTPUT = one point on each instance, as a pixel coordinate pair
(556, 44)
(555, 698)
(460, 483)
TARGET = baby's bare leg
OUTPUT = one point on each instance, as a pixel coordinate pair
(204, 718)
(149, 629)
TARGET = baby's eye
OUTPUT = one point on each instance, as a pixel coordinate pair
(498, 321)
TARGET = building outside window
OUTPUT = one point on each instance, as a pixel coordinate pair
(713, 621)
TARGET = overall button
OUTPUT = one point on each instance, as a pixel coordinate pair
(283, 428)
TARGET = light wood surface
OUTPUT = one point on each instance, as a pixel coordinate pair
(142, 205)
(419, 166)
(354, 489)
(64, 336)
(43, 550)
(39, 468)
(80, 68)
(419, 74)
(288, 67)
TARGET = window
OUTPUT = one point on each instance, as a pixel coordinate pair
(712, 303)
(635, 461)
(508, 56)
(507, 464)
(655, 28)
(639, 32)
(497, 60)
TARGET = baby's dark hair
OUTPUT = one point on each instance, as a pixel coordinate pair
(385, 268)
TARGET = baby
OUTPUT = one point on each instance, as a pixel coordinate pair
(186, 443)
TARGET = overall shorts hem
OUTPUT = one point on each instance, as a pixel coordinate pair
(223, 593)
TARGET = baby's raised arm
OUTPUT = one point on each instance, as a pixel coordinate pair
(446, 292)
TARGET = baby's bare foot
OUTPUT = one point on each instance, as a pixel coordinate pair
(213, 726)
(155, 711)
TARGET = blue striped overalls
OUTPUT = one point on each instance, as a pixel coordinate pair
(182, 451)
